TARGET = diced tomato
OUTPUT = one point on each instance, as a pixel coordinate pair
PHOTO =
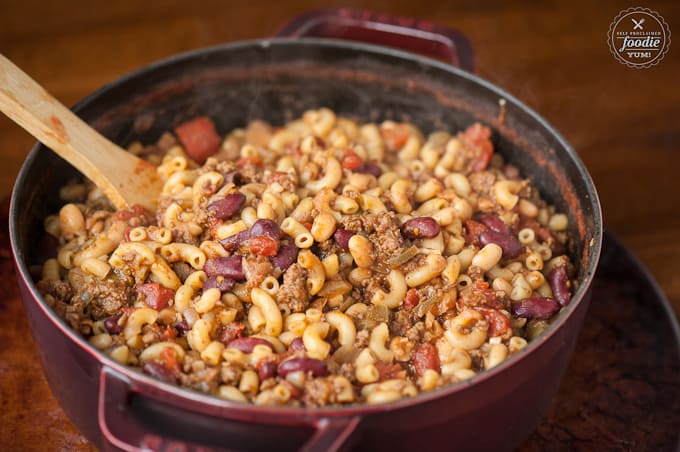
(477, 137)
(263, 245)
(126, 234)
(351, 161)
(155, 296)
(498, 323)
(169, 333)
(395, 136)
(482, 285)
(168, 358)
(308, 225)
(199, 138)
(411, 299)
(243, 161)
(133, 211)
(389, 371)
(424, 358)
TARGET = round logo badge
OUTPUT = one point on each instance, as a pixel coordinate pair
(639, 37)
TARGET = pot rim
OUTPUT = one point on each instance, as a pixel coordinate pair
(138, 379)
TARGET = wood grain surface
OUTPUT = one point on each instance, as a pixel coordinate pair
(624, 123)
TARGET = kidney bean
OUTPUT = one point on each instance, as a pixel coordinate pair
(316, 367)
(160, 372)
(425, 357)
(155, 296)
(266, 369)
(182, 327)
(494, 223)
(297, 345)
(342, 237)
(232, 242)
(535, 308)
(270, 228)
(225, 208)
(473, 230)
(229, 332)
(285, 257)
(111, 324)
(509, 243)
(559, 283)
(247, 344)
(420, 228)
(370, 168)
(220, 282)
(229, 267)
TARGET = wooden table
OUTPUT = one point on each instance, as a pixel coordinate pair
(623, 122)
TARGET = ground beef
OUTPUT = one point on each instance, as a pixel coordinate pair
(384, 232)
(230, 374)
(402, 321)
(318, 392)
(220, 166)
(361, 339)
(285, 180)
(256, 268)
(104, 296)
(198, 375)
(60, 290)
(482, 182)
(293, 292)
(182, 269)
(328, 247)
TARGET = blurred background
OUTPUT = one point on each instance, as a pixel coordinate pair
(623, 122)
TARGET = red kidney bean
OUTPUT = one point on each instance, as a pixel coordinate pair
(155, 296)
(316, 367)
(535, 308)
(247, 344)
(182, 327)
(559, 283)
(472, 231)
(370, 168)
(420, 228)
(342, 237)
(509, 243)
(285, 257)
(229, 267)
(225, 208)
(160, 372)
(229, 332)
(270, 228)
(111, 324)
(220, 282)
(266, 369)
(494, 223)
(232, 242)
(297, 345)
(424, 358)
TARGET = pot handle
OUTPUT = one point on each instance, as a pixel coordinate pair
(415, 35)
(123, 431)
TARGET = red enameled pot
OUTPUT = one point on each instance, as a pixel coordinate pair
(117, 407)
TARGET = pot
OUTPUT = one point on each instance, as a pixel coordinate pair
(117, 407)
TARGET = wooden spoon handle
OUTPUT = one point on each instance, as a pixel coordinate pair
(124, 178)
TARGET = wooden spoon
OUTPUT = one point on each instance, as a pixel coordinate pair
(124, 178)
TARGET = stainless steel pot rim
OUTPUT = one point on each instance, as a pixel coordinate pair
(595, 242)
